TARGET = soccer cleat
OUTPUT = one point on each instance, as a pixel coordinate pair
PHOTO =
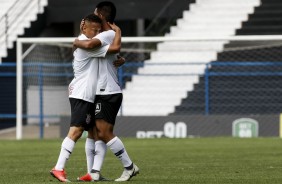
(127, 174)
(92, 177)
(59, 175)
(86, 177)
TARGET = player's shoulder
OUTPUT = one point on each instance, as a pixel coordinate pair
(106, 33)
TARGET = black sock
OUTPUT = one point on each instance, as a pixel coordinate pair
(94, 171)
(129, 167)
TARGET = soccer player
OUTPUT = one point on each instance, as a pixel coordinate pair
(82, 90)
(108, 101)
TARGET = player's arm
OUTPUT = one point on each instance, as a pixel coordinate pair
(87, 44)
(116, 45)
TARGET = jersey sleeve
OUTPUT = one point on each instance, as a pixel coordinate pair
(82, 37)
(99, 52)
(106, 37)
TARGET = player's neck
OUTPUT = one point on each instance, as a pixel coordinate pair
(106, 26)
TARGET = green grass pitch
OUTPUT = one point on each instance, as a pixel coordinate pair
(161, 161)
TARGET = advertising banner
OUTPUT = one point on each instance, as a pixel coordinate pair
(194, 126)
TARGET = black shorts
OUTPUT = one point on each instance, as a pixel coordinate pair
(82, 113)
(107, 107)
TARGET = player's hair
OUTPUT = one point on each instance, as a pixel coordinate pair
(92, 18)
(109, 10)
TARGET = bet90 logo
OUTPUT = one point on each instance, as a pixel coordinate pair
(171, 130)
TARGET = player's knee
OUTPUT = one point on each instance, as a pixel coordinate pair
(105, 136)
(101, 135)
(75, 134)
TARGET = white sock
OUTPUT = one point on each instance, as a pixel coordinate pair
(90, 153)
(117, 147)
(100, 152)
(66, 150)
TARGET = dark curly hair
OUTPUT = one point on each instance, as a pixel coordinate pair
(92, 18)
(108, 9)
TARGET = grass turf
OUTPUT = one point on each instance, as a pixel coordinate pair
(194, 160)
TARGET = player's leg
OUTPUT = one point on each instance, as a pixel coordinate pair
(95, 155)
(117, 147)
(99, 150)
(79, 116)
(67, 146)
(66, 149)
(90, 154)
(90, 141)
(104, 130)
(105, 120)
(106, 134)
(100, 153)
(90, 150)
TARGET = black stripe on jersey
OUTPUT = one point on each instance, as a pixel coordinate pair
(119, 152)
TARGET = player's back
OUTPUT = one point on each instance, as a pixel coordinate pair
(108, 79)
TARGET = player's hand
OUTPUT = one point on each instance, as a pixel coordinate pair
(119, 62)
(81, 25)
(74, 47)
(114, 27)
(74, 44)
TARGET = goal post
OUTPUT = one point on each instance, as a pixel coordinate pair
(156, 51)
(19, 85)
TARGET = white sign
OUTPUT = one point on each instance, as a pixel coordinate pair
(171, 130)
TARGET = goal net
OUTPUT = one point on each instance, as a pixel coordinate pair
(44, 71)
(162, 76)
